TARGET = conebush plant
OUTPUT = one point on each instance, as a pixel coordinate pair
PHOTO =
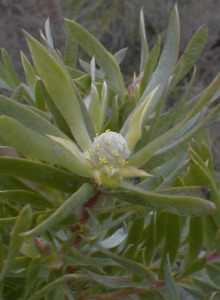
(107, 190)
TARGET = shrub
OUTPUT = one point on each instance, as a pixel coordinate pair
(107, 191)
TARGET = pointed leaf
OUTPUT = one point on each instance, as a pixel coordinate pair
(39, 173)
(48, 33)
(55, 76)
(195, 238)
(144, 45)
(22, 224)
(172, 293)
(120, 55)
(134, 130)
(181, 205)
(115, 239)
(172, 237)
(105, 60)
(71, 51)
(198, 174)
(135, 268)
(27, 117)
(40, 147)
(26, 197)
(164, 68)
(30, 74)
(150, 65)
(190, 55)
(9, 68)
(65, 210)
(214, 273)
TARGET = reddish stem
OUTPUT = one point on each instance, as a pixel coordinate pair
(83, 216)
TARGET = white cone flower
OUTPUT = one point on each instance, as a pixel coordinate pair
(109, 156)
(109, 149)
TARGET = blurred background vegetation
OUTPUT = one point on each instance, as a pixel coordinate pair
(115, 24)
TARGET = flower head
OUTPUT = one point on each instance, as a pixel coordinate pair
(109, 149)
(109, 156)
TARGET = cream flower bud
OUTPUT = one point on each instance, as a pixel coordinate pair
(109, 149)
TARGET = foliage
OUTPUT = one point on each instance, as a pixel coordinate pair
(107, 191)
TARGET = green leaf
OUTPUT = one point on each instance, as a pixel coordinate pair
(40, 147)
(134, 236)
(181, 205)
(194, 267)
(30, 74)
(190, 56)
(210, 233)
(164, 68)
(168, 56)
(195, 238)
(39, 173)
(93, 103)
(172, 238)
(27, 117)
(199, 175)
(71, 51)
(13, 79)
(65, 210)
(116, 282)
(32, 275)
(150, 66)
(42, 97)
(78, 258)
(144, 45)
(48, 33)
(26, 197)
(120, 55)
(172, 293)
(61, 281)
(54, 76)
(105, 60)
(149, 236)
(135, 124)
(115, 239)
(135, 268)
(12, 183)
(172, 138)
(23, 222)
(213, 273)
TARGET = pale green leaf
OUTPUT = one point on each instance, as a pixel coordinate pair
(150, 65)
(40, 147)
(27, 117)
(144, 44)
(105, 60)
(26, 197)
(181, 205)
(54, 76)
(190, 55)
(13, 79)
(198, 175)
(30, 74)
(48, 33)
(115, 239)
(41, 173)
(164, 68)
(135, 124)
(120, 55)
